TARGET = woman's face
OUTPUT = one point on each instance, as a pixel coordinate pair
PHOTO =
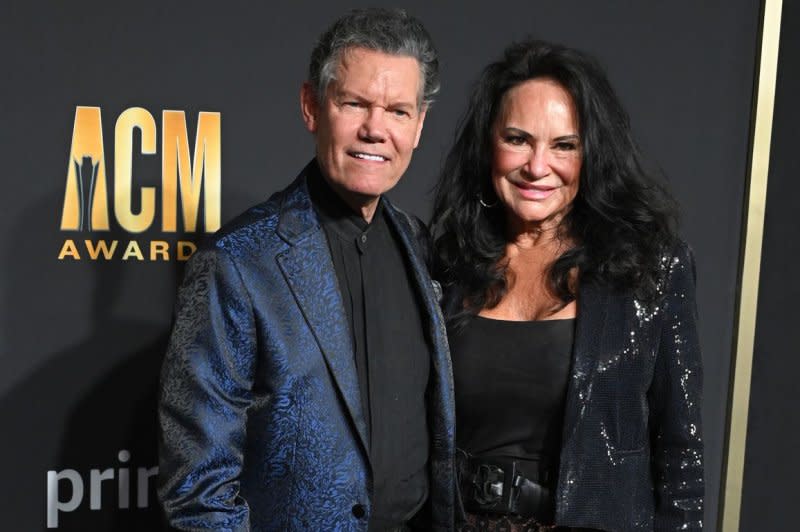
(536, 154)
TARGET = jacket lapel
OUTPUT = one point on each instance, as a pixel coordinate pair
(309, 272)
(589, 338)
(426, 289)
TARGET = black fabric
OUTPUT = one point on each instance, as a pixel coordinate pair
(392, 357)
(510, 383)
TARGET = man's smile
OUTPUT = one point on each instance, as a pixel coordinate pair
(367, 156)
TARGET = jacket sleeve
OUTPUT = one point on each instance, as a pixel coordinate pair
(206, 383)
(675, 401)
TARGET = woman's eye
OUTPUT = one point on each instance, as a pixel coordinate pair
(515, 140)
(566, 146)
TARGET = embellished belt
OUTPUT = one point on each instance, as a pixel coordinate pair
(497, 485)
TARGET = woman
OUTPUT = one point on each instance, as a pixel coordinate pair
(571, 307)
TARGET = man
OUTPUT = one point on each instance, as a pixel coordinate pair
(307, 384)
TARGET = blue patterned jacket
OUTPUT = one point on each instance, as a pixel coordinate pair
(261, 421)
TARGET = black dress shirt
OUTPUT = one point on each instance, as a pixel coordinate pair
(392, 357)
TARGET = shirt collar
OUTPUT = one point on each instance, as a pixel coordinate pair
(333, 212)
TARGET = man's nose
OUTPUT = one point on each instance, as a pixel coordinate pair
(373, 128)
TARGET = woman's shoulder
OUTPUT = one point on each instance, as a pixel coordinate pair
(676, 276)
(678, 259)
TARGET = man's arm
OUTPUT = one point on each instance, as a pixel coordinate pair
(205, 391)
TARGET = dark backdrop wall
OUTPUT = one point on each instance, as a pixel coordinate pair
(81, 340)
(773, 436)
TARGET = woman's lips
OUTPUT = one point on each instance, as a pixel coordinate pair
(534, 192)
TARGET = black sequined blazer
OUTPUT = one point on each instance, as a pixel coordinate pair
(632, 452)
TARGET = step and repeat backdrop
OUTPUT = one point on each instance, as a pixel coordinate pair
(129, 131)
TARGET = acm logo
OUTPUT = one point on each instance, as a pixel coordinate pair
(185, 180)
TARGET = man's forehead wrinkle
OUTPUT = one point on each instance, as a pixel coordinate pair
(383, 83)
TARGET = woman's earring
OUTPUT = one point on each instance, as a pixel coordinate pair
(484, 204)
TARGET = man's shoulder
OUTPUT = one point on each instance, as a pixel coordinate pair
(253, 227)
(256, 230)
(406, 221)
(258, 218)
(415, 229)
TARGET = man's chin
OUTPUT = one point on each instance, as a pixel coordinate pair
(369, 186)
(362, 197)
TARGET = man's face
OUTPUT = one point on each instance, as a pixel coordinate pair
(367, 125)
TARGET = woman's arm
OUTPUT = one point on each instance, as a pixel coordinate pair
(675, 404)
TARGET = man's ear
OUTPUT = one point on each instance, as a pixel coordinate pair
(422, 115)
(309, 106)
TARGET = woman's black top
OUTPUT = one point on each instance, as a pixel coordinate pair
(510, 387)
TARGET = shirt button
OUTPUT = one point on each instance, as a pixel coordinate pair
(359, 511)
(363, 239)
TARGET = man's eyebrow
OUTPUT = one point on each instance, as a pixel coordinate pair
(402, 105)
(344, 94)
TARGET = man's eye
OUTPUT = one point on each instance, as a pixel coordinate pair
(400, 113)
(353, 104)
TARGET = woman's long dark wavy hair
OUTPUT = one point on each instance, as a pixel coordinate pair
(621, 221)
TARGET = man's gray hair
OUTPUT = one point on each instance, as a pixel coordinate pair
(390, 31)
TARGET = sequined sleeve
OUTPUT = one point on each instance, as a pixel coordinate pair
(675, 401)
(205, 391)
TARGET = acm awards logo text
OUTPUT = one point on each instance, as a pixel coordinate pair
(185, 181)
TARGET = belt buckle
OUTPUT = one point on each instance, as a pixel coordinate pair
(492, 487)
(488, 485)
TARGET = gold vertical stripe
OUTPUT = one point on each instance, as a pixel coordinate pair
(751, 263)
